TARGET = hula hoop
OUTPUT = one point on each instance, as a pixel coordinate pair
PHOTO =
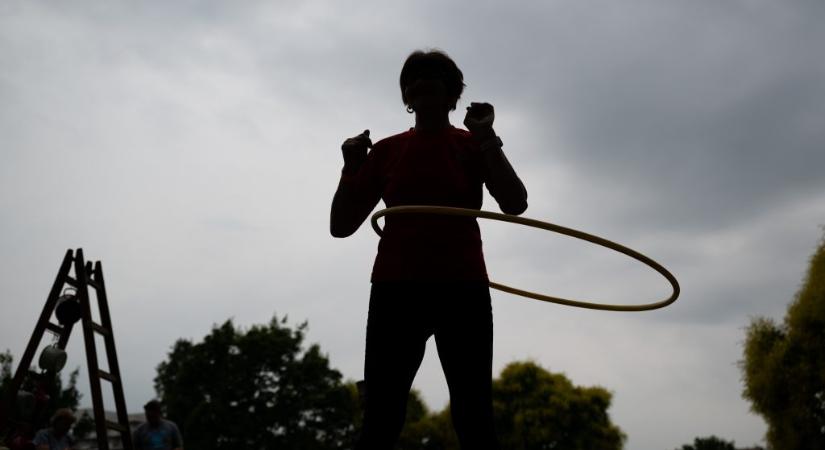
(444, 210)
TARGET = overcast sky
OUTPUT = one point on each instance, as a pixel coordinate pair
(193, 148)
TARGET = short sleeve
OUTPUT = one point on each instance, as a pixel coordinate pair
(177, 439)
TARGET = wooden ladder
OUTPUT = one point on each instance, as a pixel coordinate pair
(85, 275)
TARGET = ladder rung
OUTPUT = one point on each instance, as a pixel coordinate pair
(107, 376)
(89, 280)
(92, 283)
(99, 328)
(56, 329)
(116, 426)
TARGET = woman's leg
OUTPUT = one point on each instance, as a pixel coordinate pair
(464, 336)
(397, 334)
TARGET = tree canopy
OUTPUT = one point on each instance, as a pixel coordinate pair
(256, 388)
(260, 388)
(709, 443)
(60, 394)
(537, 409)
(534, 409)
(784, 366)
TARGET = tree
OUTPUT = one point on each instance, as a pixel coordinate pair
(709, 443)
(537, 409)
(255, 389)
(424, 430)
(784, 366)
(534, 409)
(49, 394)
(5, 369)
(60, 395)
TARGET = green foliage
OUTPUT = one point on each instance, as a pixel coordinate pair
(709, 443)
(5, 369)
(61, 395)
(259, 389)
(84, 426)
(65, 397)
(534, 409)
(422, 430)
(256, 389)
(425, 430)
(537, 409)
(784, 366)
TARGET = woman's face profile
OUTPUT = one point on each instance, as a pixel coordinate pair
(427, 91)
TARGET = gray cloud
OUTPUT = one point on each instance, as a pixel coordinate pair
(193, 147)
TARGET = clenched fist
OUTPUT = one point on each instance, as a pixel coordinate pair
(354, 150)
(479, 118)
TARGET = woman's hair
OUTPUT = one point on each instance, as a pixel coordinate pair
(433, 60)
(63, 414)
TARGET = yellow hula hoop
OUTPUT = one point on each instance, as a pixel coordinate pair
(444, 210)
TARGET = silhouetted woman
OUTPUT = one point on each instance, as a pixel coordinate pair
(429, 276)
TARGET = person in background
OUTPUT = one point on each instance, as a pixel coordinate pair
(157, 433)
(57, 436)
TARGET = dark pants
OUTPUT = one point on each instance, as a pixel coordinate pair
(402, 316)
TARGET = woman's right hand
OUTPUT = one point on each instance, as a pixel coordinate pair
(355, 151)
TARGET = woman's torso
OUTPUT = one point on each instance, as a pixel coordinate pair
(441, 169)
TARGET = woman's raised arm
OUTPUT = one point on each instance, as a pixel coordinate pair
(357, 192)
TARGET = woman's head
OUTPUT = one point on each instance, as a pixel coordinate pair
(62, 420)
(429, 76)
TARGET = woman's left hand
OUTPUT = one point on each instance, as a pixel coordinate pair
(479, 117)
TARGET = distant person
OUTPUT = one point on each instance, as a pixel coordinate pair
(57, 436)
(157, 433)
(429, 276)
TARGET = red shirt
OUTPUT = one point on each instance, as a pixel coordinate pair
(444, 168)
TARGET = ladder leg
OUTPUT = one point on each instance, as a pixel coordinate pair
(91, 353)
(111, 354)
